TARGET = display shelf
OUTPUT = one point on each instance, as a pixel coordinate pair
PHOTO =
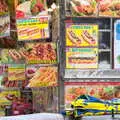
(105, 30)
(77, 73)
(104, 50)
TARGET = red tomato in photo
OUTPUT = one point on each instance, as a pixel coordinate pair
(20, 14)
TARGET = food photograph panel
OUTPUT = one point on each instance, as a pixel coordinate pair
(81, 8)
(90, 100)
(42, 76)
(41, 53)
(81, 35)
(82, 58)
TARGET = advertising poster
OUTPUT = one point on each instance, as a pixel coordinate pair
(84, 58)
(117, 45)
(110, 8)
(4, 19)
(33, 28)
(83, 7)
(16, 72)
(39, 76)
(81, 35)
(41, 53)
(90, 97)
(6, 98)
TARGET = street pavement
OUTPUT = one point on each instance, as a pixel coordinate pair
(106, 117)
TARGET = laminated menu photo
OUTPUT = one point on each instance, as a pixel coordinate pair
(82, 7)
(13, 56)
(109, 8)
(41, 76)
(41, 53)
(29, 8)
(81, 35)
(82, 58)
(92, 98)
(16, 72)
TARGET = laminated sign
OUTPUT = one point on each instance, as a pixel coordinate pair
(79, 35)
(33, 28)
(84, 58)
(16, 72)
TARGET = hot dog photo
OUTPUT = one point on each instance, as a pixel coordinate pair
(81, 35)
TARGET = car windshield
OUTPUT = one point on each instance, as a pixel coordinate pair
(83, 97)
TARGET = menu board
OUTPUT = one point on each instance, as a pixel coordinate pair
(33, 28)
(101, 90)
(83, 7)
(39, 76)
(41, 53)
(117, 44)
(16, 72)
(84, 58)
(81, 35)
(4, 19)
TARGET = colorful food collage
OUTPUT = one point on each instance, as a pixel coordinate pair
(105, 91)
(94, 8)
(34, 47)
